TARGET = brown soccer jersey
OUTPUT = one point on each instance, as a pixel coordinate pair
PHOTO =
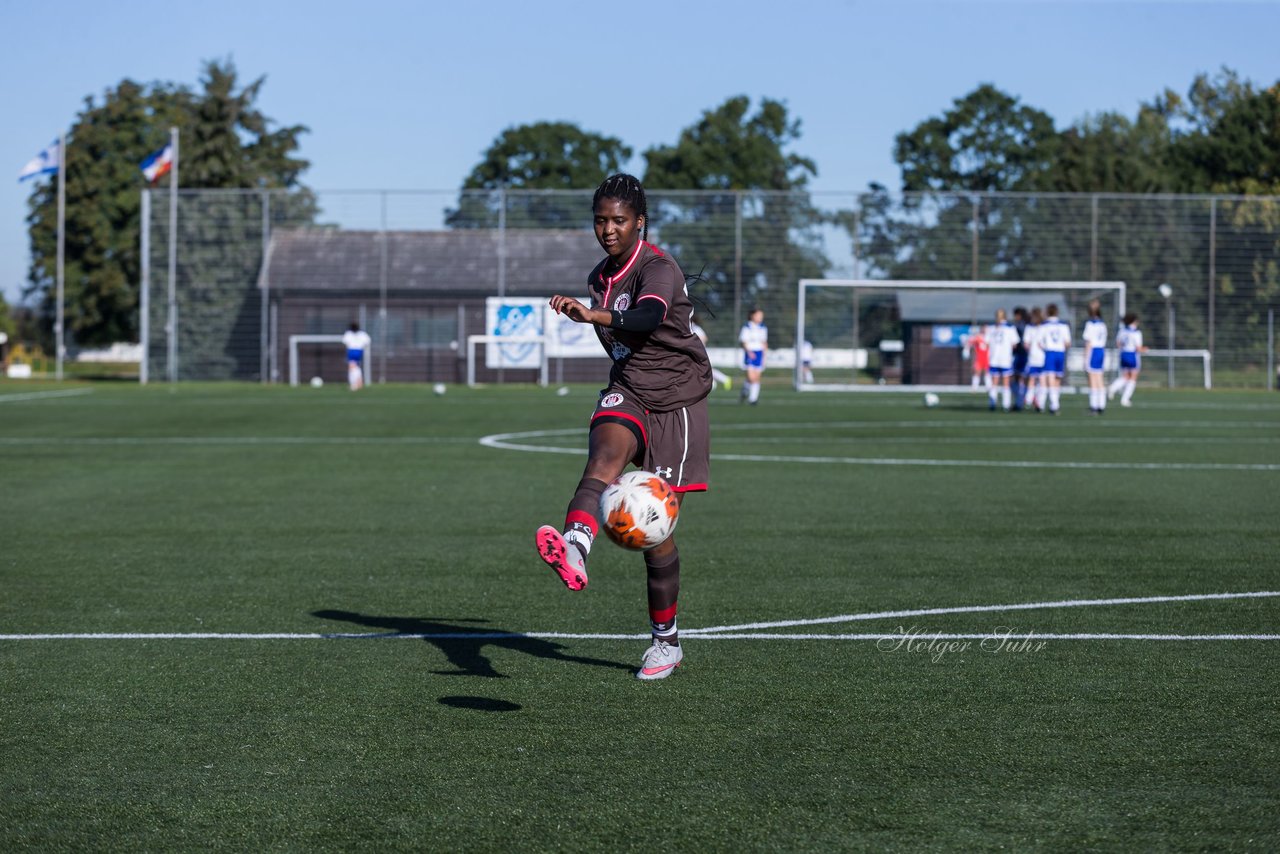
(667, 368)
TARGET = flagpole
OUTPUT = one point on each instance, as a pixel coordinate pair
(59, 341)
(173, 259)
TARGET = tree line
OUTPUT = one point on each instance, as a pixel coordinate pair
(1222, 136)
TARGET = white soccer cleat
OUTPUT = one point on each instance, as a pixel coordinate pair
(1126, 403)
(660, 660)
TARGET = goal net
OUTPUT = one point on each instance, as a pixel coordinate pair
(884, 335)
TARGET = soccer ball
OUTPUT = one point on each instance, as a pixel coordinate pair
(316, 382)
(439, 388)
(639, 510)
(930, 400)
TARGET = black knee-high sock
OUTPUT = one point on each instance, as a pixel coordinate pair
(581, 522)
(664, 588)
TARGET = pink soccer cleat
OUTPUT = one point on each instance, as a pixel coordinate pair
(564, 557)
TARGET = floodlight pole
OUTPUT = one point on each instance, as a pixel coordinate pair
(60, 344)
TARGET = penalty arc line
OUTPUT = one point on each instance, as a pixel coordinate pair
(502, 441)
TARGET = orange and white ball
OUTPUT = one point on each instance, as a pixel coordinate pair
(639, 510)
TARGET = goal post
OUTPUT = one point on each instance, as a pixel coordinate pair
(540, 341)
(912, 334)
(295, 340)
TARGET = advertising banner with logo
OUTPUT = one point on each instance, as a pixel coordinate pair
(513, 318)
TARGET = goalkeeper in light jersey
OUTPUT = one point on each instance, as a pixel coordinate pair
(356, 341)
(1095, 357)
(1055, 339)
(1001, 339)
(1129, 343)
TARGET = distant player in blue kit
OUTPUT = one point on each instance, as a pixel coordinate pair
(1055, 340)
(1095, 357)
(357, 342)
(1001, 339)
(1129, 343)
(653, 414)
(754, 339)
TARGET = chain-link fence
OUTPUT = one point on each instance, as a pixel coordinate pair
(254, 268)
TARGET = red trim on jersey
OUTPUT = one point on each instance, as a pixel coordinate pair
(665, 306)
(664, 615)
(626, 416)
(626, 268)
(583, 517)
(690, 487)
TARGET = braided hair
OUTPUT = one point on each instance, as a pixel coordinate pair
(628, 190)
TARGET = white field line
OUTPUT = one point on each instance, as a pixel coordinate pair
(736, 632)
(43, 395)
(510, 442)
(977, 609)
(492, 636)
(147, 441)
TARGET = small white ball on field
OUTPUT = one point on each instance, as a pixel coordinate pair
(930, 400)
(439, 388)
(316, 382)
(562, 391)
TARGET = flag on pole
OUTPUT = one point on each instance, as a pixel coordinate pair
(158, 165)
(44, 163)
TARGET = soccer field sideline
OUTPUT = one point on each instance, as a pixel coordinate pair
(745, 631)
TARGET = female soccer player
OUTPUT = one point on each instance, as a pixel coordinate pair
(1095, 357)
(1036, 389)
(356, 342)
(1129, 343)
(653, 414)
(754, 339)
(1001, 341)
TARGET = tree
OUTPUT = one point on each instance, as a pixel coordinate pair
(987, 141)
(759, 188)
(226, 143)
(539, 156)
(727, 149)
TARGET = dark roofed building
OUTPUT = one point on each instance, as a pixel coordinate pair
(931, 323)
(433, 283)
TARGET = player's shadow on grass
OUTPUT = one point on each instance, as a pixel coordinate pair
(463, 644)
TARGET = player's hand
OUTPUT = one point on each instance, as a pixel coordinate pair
(571, 308)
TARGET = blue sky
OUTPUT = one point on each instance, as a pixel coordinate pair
(407, 95)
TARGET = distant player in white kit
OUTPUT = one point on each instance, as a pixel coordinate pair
(1001, 339)
(1055, 339)
(754, 339)
(1129, 343)
(356, 342)
(1035, 394)
(1095, 357)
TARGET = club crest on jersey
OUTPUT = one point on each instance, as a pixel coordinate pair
(620, 351)
(622, 303)
(611, 399)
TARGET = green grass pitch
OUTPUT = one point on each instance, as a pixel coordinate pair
(328, 630)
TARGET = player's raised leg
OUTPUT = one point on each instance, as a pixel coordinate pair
(612, 445)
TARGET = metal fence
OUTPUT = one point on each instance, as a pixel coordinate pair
(1219, 256)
